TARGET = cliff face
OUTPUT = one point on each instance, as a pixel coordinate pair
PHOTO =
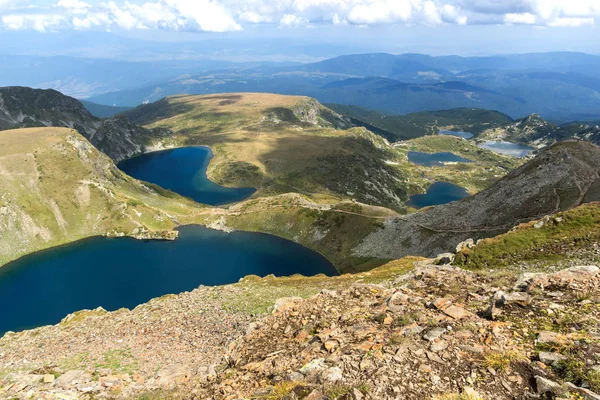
(22, 107)
(559, 178)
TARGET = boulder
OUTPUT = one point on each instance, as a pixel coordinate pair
(434, 333)
(466, 245)
(546, 386)
(551, 358)
(331, 375)
(173, 375)
(72, 378)
(315, 365)
(286, 303)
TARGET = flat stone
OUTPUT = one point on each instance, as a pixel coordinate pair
(434, 357)
(412, 329)
(49, 378)
(72, 378)
(520, 298)
(456, 312)
(440, 345)
(434, 333)
(442, 303)
(476, 349)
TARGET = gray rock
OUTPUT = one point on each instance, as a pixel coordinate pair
(331, 375)
(438, 346)
(295, 376)
(315, 365)
(434, 333)
(585, 393)
(545, 386)
(398, 299)
(72, 378)
(520, 298)
(551, 358)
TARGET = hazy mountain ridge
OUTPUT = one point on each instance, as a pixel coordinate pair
(559, 86)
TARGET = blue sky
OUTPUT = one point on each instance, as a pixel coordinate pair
(465, 27)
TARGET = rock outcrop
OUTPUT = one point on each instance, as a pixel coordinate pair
(22, 107)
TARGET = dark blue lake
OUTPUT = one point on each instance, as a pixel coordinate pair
(44, 287)
(437, 194)
(435, 159)
(183, 171)
(508, 148)
(464, 135)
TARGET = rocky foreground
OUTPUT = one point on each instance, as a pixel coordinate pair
(409, 330)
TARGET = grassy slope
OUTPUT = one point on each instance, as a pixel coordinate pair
(57, 188)
(567, 237)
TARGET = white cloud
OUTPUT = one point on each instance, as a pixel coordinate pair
(292, 20)
(524, 18)
(38, 22)
(231, 15)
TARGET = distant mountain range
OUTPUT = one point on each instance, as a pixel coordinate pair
(558, 86)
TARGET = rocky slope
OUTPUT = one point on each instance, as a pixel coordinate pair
(22, 107)
(58, 188)
(559, 178)
(410, 329)
(536, 131)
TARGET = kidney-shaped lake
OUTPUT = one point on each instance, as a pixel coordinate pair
(44, 287)
(183, 170)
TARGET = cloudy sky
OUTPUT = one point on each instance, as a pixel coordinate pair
(458, 26)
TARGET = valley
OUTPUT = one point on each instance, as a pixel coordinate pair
(251, 187)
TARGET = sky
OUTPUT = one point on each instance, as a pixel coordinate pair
(464, 27)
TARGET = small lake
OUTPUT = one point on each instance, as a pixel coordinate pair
(507, 148)
(183, 170)
(44, 287)
(464, 135)
(435, 159)
(437, 194)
